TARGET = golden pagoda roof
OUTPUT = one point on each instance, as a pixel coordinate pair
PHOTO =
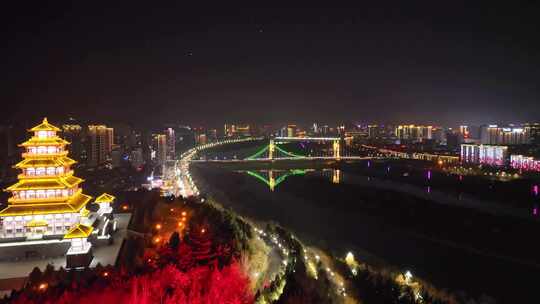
(105, 198)
(73, 205)
(44, 126)
(47, 141)
(45, 162)
(37, 223)
(46, 183)
(79, 231)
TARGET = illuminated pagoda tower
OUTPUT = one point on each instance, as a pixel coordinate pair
(47, 202)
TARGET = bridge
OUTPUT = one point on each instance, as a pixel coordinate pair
(273, 150)
(185, 186)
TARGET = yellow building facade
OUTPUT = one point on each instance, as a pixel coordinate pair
(47, 200)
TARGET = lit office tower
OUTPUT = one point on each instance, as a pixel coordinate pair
(170, 142)
(100, 144)
(47, 200)
(160, 147)
(413, 132)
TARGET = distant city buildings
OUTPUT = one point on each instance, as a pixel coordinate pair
(522, 162)
(414, 133)
(291, 130)
(374, 131)
(533, 131)
(234, 130)
(496, 135)
(484, 154)
(201, 139)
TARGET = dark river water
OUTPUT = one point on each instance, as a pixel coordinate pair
(453, 247)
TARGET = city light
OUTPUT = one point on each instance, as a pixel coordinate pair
(408, 276)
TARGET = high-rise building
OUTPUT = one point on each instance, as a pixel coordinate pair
(533, 132)
(100, 144)
(136, 158)
(291, 130)
(201, 138)
(315, 128)
(170, 141)
(484, 154)
(229, 130)
(464, 131)
(211, 135)
(373, 131)
(453, 140)
(439, 135)
(496, 135)
(413, 133)
(324, 129)
(73, 133)
(47, 200)
(160, 148)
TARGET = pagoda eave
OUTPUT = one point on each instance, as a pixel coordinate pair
(74, 205)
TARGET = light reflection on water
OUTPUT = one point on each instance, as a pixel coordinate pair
(273, 178)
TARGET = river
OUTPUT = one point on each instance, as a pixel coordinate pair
(455, 248)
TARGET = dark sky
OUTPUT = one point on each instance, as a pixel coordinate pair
(436, 61)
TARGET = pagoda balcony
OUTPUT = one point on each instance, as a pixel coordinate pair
(42, 200)
(44, 155)
(25, 176)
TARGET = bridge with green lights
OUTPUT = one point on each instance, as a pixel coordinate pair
(274, 151)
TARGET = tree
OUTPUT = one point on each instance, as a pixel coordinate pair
(201, 243)
(174, 241)
(35, 276)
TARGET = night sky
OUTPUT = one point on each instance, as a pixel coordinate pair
(443, 62)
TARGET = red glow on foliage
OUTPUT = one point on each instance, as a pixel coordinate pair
(201, 284)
